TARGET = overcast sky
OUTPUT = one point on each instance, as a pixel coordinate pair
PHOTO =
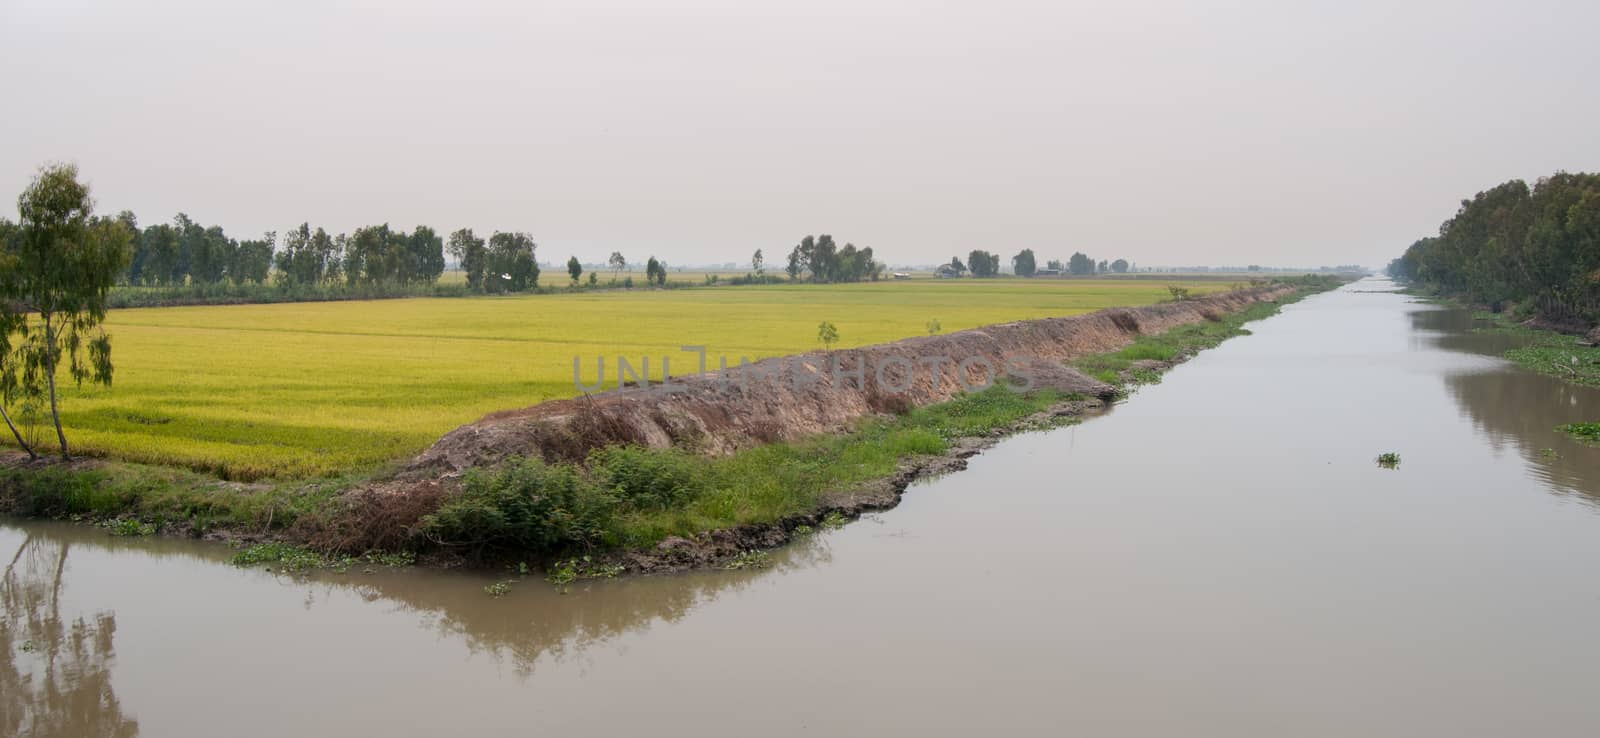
(1283, 133)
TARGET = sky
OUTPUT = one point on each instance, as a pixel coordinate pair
(1280, 133)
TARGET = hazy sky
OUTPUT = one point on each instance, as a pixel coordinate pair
(1284, 133)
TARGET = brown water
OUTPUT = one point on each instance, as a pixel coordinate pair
(1219, 556)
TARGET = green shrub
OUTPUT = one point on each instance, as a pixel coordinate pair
(528, 507)
(646, 479)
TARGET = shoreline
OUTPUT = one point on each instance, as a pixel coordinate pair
(1565, 351)
(306, 512)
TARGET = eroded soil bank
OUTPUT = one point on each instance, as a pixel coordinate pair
(793, 397)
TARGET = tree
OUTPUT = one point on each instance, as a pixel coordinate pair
(309, 257)
(160, 264)
(511, 262)
(1056, 265)
(1080, 264)
(61, 266)
(594, 278)
(1120, 266)
(654, 272)
(252, 260)
(1023, 264)
(800, 258)
(827, 334)
(983, 263)
(956, 265)
(1103, 267)
(758, 262)
(12, 322)
(617, 262)
(469, 252)
(423, 259)
(574, 269)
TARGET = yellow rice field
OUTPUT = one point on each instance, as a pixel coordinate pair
(306, 389)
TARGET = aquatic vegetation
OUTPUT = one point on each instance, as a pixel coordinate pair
(1582, 431)
(498, 589)
(749, 560)
(1558, 356)
(571, 570)
(129, 527)
(287, 556)
(296, 558)
(1389, 460)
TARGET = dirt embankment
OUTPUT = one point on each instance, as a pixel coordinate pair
(792, 397)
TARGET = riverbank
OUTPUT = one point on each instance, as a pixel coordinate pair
(645, 509)
(1564, 350)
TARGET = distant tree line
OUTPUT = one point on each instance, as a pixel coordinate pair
(1536, 250)
(1025, 264)
(185, 252)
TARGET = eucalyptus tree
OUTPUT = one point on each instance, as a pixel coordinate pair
(62, 264)
(471, 255)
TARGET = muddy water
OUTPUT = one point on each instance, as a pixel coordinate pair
(1219, 556)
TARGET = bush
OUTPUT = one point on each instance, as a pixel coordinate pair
(645, 479)
(529, 507)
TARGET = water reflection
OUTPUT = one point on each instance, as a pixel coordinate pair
(1518, 409)
(1457, 330)
(536, 624)
(55, 668)
(531, 625)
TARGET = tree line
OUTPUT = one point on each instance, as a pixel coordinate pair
(1025, 264)
(187, 252)
(1532, 250)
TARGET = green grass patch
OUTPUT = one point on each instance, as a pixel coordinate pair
(156, 496)
(1119, 368)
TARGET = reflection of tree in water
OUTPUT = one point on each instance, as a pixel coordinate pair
(1457, 330)
(55, 674)
(1522, 409)
(531, 625)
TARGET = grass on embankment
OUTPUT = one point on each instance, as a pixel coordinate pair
(620, 498)
(1122, 367)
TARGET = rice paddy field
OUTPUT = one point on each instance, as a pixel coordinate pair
(312, 389)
